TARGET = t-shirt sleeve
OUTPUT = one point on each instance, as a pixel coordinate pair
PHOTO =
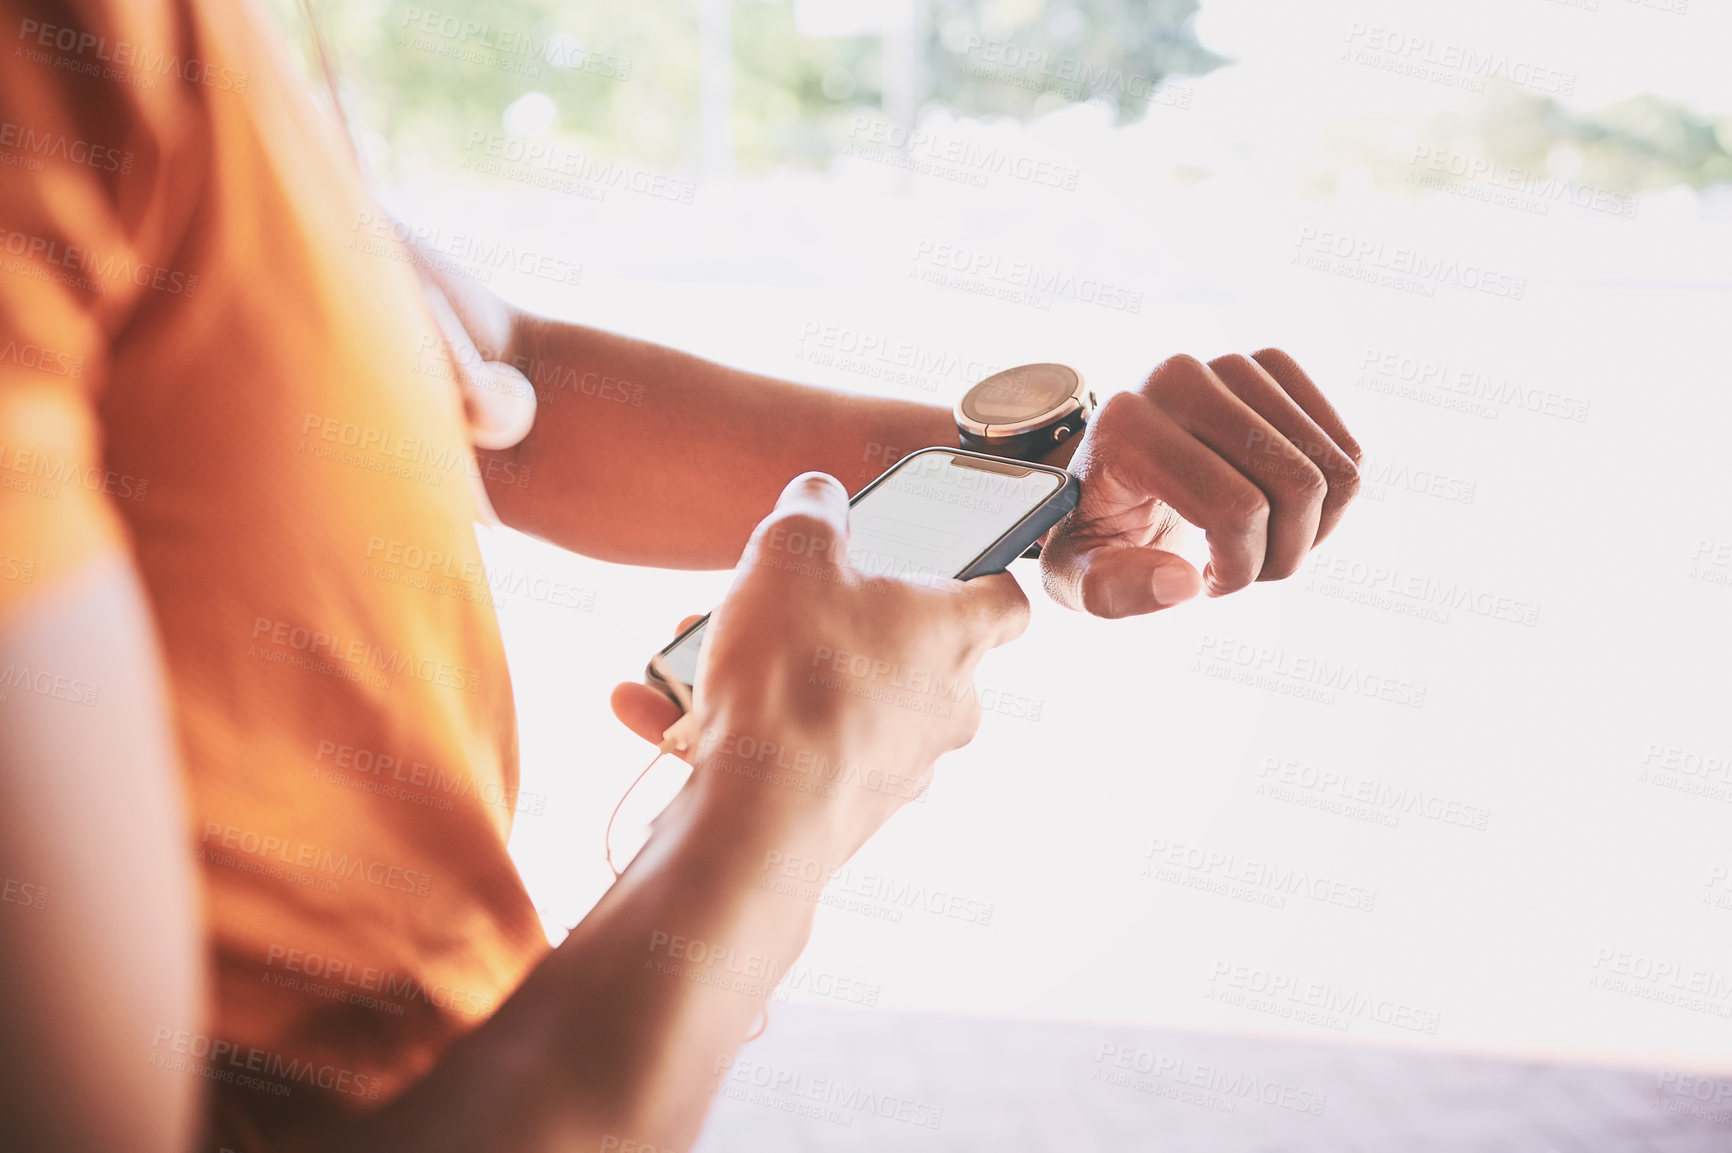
(80, 167)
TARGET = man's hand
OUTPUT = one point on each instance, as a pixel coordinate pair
(821, 660)
(1246, 448)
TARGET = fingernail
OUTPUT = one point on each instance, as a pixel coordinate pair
(1172, 585)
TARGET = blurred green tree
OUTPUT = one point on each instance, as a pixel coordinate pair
(624, 77)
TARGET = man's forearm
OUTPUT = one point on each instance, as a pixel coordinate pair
(626, 1029)
(645, 455)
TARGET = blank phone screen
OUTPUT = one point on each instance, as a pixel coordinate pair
(929, 519)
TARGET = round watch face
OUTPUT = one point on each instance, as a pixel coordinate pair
(1019, 394)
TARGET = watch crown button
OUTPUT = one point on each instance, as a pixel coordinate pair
(1060, 433)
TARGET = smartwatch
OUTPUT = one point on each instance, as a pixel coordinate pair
(1024, 412)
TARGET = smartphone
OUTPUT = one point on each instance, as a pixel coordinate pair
(936, 514)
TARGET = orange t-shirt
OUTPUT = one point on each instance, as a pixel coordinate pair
(210, 361)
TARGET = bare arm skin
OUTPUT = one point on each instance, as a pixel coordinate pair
(1247, 448)
(100, 940)
(679, 479)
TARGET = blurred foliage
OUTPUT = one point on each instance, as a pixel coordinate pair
(425, 75)
(1008, 58)
(1636, 145)
(635, 84)
(1639, 145)
(623, 80)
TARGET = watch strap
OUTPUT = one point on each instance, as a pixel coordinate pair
(1030, 445)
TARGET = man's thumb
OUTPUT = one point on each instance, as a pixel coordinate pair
(1119, 580)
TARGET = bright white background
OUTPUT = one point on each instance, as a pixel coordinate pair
(1505, 934)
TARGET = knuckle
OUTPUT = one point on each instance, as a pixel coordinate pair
(799, 533)
(967, 720)
(1307, 480)
(1233, 585)
(1176, 374)
(1248, 510)
(1276, 570)
(1344, 478)
(1118, 408)
(800, 521)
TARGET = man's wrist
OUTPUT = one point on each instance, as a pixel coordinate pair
(771, 787)
(1059, 456)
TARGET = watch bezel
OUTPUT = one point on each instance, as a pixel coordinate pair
(1077, 400)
